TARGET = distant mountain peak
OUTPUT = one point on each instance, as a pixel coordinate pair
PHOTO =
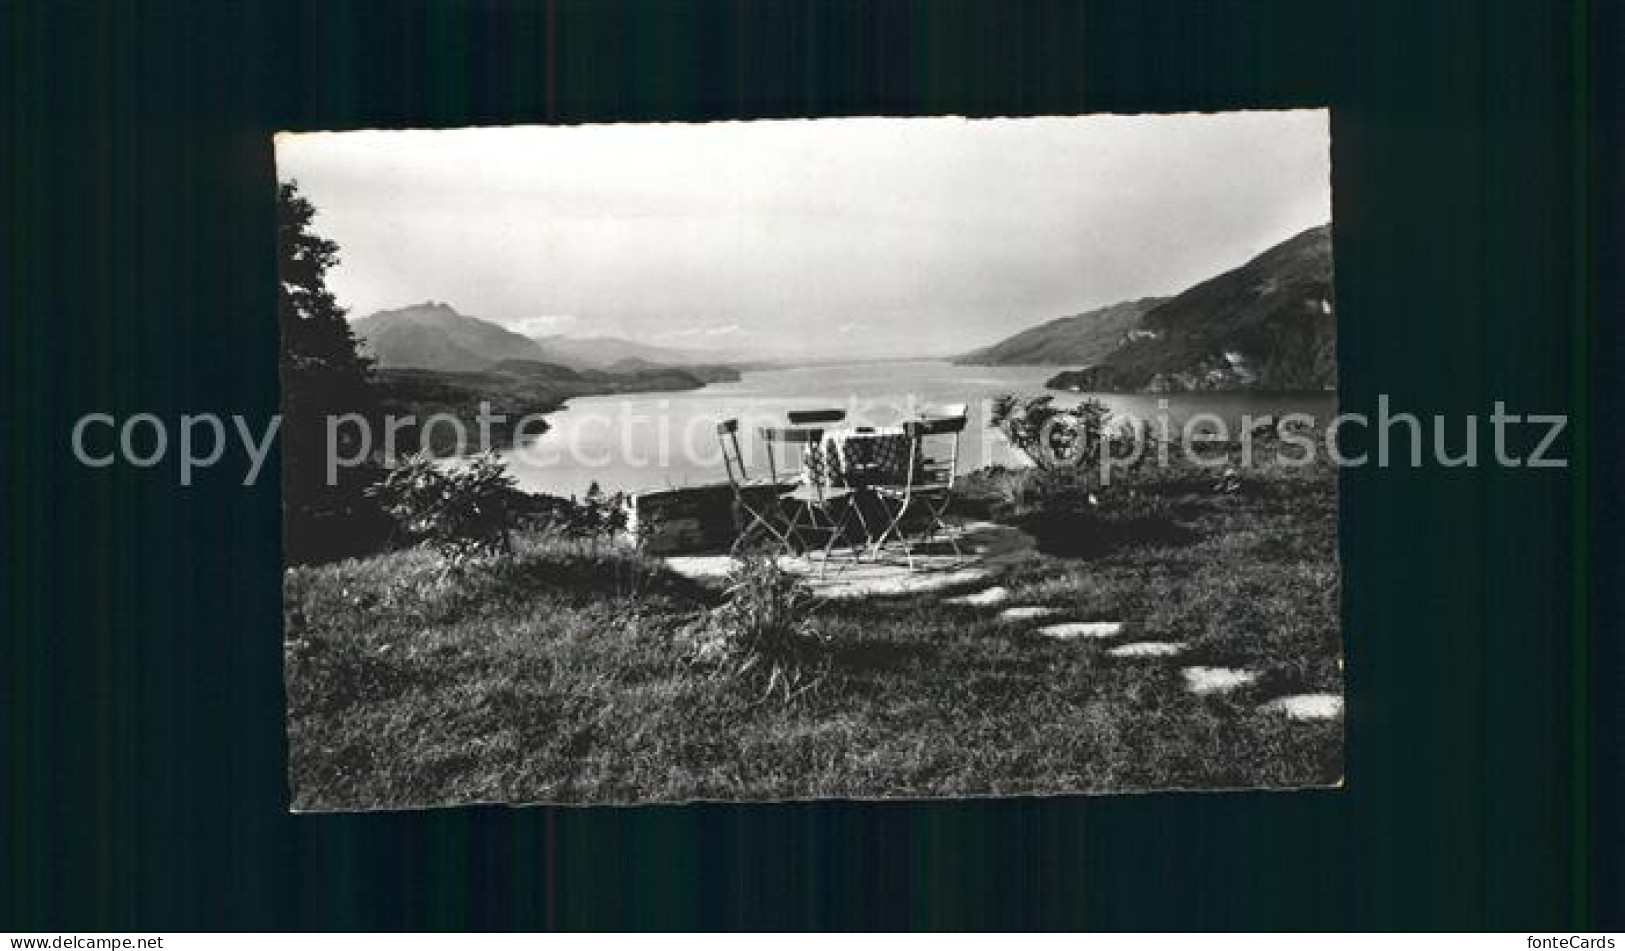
(434, 336)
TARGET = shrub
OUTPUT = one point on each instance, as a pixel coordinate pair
(1080, 437)
(598, 514)
(1050, 435)
(463, 512)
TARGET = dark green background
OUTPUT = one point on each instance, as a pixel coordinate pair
(142, 730)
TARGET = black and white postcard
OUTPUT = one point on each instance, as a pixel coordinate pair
(778, 460)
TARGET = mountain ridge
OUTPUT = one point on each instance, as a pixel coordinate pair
(1268, 324)
(1079, 338)
(433, 335)
(605, 352)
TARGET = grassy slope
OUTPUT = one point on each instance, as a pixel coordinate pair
(558, 678)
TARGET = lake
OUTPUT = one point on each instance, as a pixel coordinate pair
(644, 441)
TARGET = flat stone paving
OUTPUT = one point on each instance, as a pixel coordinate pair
(988, 550)
(1148, 649)
(1307, 706)
(1075, 629)
(1027, 612)
(1203, 681)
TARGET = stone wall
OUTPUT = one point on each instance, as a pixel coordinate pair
(691, 519)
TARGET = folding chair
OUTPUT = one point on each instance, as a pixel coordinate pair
(813, 500)
(928, 486)
(949, 411)
(759, 518)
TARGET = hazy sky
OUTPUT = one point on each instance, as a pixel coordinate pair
(833, 236)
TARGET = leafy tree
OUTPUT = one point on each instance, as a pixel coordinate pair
(323, 374)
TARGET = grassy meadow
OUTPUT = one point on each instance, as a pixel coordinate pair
(567, 673)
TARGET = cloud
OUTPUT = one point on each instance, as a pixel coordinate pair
(542, 326)
(706, 332)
